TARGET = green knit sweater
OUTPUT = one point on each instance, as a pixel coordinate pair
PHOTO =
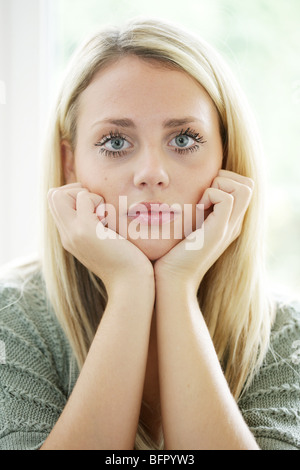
(38, 373)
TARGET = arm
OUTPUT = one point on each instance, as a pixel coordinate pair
(198, 410)
(103, 410)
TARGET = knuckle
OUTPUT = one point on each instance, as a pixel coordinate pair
(246, 191)
(56, 197)
(216, 182)
(53, 193)
(65, 241)
(50, 192)
(229, 197)
(237, 232)
(82, 193)
(251, 183)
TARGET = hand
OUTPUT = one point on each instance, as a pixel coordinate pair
(227, 200)
(112, 259)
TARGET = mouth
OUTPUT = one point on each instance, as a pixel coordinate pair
(153, 213)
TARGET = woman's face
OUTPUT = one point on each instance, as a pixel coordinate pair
(146, 134)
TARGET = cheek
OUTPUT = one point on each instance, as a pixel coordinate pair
(95, 180)
(88, 171)
(198, 183)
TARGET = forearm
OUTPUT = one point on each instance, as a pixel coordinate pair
(103, 410)
(198, 410)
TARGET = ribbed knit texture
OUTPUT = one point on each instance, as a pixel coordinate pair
(38, 373)
(271, 405)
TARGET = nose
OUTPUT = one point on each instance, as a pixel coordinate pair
(151, 170)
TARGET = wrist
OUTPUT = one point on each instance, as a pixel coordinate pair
(175, 284)
(132, 286)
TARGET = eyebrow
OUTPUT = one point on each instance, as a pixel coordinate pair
(117, 122)
(170, 123)
(167, 124)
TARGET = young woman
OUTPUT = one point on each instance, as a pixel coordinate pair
(128, 335)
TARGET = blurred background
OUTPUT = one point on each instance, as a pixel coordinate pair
(260, 40)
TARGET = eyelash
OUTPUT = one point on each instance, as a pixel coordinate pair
(193, 135)
(110, 153)
(120, 153)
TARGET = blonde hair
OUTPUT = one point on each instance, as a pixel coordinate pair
(232, 296)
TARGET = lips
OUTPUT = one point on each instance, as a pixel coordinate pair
(152, 213)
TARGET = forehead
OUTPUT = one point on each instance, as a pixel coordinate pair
(142, 89)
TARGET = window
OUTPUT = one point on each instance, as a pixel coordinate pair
(261, 40)
(24, 90)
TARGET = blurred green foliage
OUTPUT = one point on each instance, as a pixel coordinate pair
(261, 41)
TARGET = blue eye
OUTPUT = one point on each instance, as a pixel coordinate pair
(116, 144)
(113, 145)
(187, 141)
(182, 141)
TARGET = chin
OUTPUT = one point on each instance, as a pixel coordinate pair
(155, 249)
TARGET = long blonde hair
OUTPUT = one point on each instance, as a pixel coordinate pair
(232, 296)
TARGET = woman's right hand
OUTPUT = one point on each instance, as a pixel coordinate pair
(121, 342)
(113, 259)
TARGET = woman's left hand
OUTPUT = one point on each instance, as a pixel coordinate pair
(228, 199)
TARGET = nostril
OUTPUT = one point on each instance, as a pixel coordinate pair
(151, 177)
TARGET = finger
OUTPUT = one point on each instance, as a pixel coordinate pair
(73, 193)
(62, 206)
(222, 203)
(71, 185)
(231, 186)
(238, 178)
(101, 211)
(87, 203)
(241, 193)
(68, 190)
(68, 187)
